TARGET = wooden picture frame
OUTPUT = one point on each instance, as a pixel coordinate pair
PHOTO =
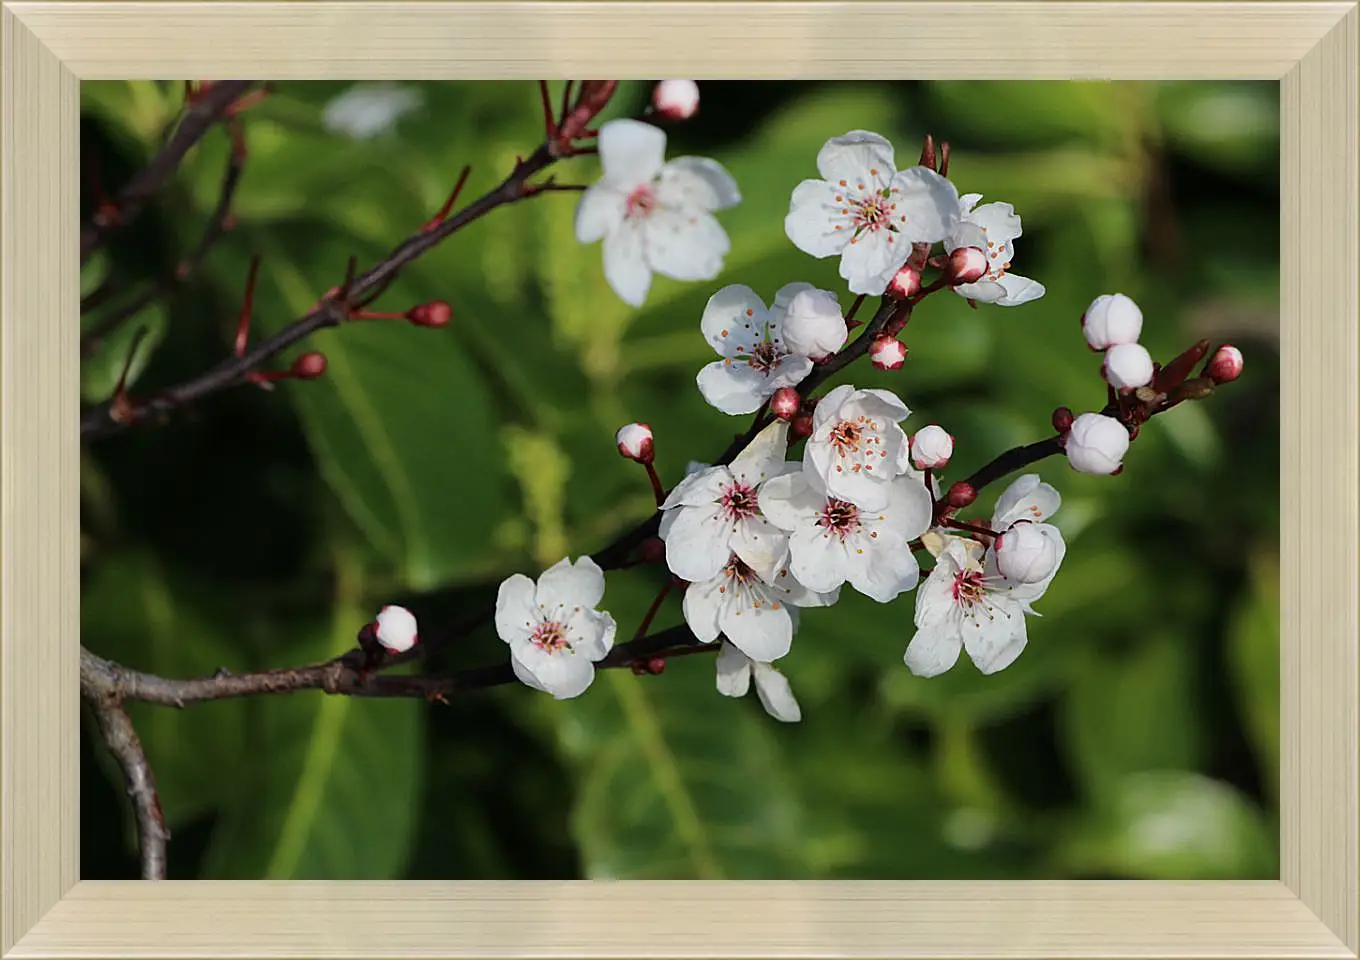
(1311, 48)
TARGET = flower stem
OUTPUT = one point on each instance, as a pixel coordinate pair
(651, 611)
(657, 490)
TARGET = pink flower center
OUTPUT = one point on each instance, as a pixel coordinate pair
(969, 587)
(550, 636)
(839, 517)
(641, 202)
(738, 502)
(738, 572)
(857, 440)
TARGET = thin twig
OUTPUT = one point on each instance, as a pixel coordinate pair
(198, 119)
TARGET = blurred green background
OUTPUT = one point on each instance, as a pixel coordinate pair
(1136, 737)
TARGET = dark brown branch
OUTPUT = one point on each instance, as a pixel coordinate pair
(217, 227)
(198, 119)
(97, 421)
(126, 747)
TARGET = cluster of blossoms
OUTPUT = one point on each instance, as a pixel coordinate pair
(771, 529)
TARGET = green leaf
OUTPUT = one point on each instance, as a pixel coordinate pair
(1254, 659)
(1173, 826)
(134, 612)
(331, 787)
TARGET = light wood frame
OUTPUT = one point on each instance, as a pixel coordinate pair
(1311, 48)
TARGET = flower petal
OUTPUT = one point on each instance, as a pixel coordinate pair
(854, 155)
(734, 671)
(565, 584)
(525, 675)
(703, 607)
(994, 643)
(813, 217)
(775, 694)
(1019, 290)
(685, 246)
(933, 650)
(703, 486)
(592, 633)
(625, 266)
(869, 262)
(984, 291)
(697, 543)
(761, 546)
(910, 511)
(930, 203)
(788, 502)
(935, 603)
(763, 633)
(1026, 498)
(631, 152)
(516, 609)
(601, 210)
(562, 674)
(885, 572)
(697, 182)
(818, 560)
(733, 388)
(734, 317)
(998, 220)
(762, 455)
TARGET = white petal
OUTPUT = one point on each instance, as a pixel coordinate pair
(785, 295)
(932, 651)
(999, 220)
(813, 217)
(697, 182)
(788, 502)
(984, 291)
(761, 632)
(734, 671)
(1026, 498)
(733, 388)
(525, 675)
(762, 455)
(564, 675)
(733, 317)
(775, 694)
(882, 403)
(591, 633)
(993, 644)
(1019, 290)
(601, 210)
(869, 263)
(703, 486)
(567, 585)
(631, 152)
(818, 560)
(966, 234)
(885, 573)
(854, 155)
(910, 511)
(761, 546)
(795, 594)
(864, 490)
(930, 202)
(625, 267)
(697, 543)
(935, 597)
(703, 605)
(516, 613)
(685, 246)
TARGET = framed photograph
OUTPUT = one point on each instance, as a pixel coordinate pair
(893, 494)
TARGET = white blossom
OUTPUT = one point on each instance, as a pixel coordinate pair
(993, 228)
(857, 446)
(756, 616)
(1096, 444)
(832, 541)
(756, 359)
(366, 110)
(867, 212)
(554, 632)
(654, 216)
(813, 324)
(1110, 320)
(735, 672)
(1028, 550)
(715, 513)
(396, 629)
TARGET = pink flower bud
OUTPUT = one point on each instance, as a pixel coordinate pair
(676, 99)
(1062, 419)
(1110, 320)
(801, 426)
(436, 313)
(813, 325)
(785, 403)
(887, 353)
(931, 447)
(960, 495)
(309, 366)
(1026, 553)
(635, 442)
(396, 629)
(652, 550)
(1096, 444)
(967, 265)
(1225, 365)
(1127, 366)
(905, 283)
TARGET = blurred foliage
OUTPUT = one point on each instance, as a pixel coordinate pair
(1136, 737)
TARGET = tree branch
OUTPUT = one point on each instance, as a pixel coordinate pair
(126, 747)
(198, 118)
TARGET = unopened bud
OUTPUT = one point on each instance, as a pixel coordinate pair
(801, 426)
(1225, 365)
(813, 325)
(436, 313)
(961, 495)
(887, 353)
(1127, 366)
(1062, 419)
(931, 447)
(1096, 444)
(1026, 553)
(656, 666)
(676, 99)
(309, 366)
(906, 283)
(928, 152)
(635, 442)
(395, 629)
(785, 403)
(1111, 319)
(652, 550)
(967, 265)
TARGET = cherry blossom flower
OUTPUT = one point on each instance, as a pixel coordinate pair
(396, 629)
(867, 212)
(965, 604)
(832, 541)
(856, 447)
(554, 632)
(715, 513)
(993, 229)
(654, 216)
(1028, 550)
(1110, 320)
(1096, 444)
(756, 359)
(735, 672)
(367, 110)
(756, 616)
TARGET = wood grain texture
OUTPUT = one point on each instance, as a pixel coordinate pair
(1312, 46)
